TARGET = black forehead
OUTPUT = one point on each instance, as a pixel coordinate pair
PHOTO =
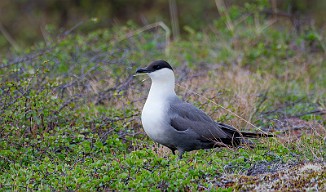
(159, 64)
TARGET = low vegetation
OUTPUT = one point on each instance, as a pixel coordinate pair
(70, 109)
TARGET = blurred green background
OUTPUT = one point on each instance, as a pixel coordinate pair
(25, 22)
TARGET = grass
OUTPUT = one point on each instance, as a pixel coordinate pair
(70, 111)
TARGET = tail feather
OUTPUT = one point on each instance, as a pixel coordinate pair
(255, 135)
(239, 134)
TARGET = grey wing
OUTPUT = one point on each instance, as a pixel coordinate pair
(185, 116)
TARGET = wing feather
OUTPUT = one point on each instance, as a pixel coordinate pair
(184, 116)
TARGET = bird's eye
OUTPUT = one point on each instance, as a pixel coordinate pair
(156, 67)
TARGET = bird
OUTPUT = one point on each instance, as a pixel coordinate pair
(179, 125)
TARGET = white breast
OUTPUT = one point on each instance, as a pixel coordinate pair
(153, 119)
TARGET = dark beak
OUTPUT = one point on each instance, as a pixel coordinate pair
(143, 70)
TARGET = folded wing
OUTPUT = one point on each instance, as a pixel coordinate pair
(185, 116)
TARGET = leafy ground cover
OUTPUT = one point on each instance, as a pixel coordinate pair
(70, 110)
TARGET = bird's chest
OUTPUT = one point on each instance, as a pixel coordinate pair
(153, 118)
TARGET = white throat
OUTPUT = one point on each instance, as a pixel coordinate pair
(163, 83)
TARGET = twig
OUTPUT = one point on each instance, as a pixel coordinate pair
(242, 18)
(282, 107)
(148, 27)
(174, 18)
(11, 41)
(26, 58)
(264, 98)
(225, 110)
(118, 88)
(268, 24)
(73, 28)
(293, 128)
(319, 112)
(45, 36)
(220, 5)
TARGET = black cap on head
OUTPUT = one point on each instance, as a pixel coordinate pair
(154, 66)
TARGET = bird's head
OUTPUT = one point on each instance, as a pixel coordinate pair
(159, 70)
